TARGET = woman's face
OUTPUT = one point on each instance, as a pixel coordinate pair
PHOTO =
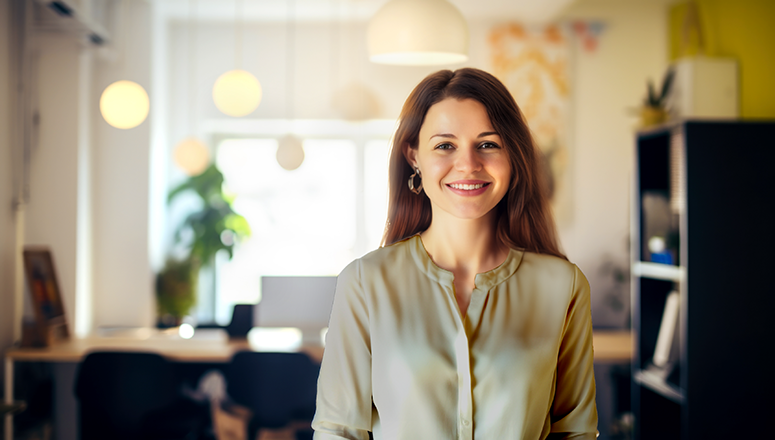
(464, 164)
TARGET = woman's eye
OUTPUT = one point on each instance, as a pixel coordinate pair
(444, 146)
(489, 145)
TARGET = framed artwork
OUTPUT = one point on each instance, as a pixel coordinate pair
(533, 63)
(51, 322)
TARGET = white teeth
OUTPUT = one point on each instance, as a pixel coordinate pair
(466, 186)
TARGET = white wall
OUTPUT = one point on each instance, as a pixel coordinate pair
(50, 217)
(325, 59)
(88, 181)
(606, 84)
(122, 280)
(7, 225)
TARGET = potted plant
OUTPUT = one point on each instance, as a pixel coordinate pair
(176, 287)
(204, 232)
(654, 110)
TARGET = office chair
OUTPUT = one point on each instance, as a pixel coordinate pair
(277, 387)
(134, 395)
(241, 321)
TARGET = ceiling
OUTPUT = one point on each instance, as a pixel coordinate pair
(359, 10)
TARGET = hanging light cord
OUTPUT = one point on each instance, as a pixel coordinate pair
(27, 69)
(192, 35)
(290, 58)
(238, 31)
(335, 29)
(122, 35)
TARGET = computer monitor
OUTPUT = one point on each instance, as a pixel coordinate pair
(303, 302)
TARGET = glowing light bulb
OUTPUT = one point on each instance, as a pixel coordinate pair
(237, 93)
(124, 104)
(186, 331)
(192, 156)
(290, 152)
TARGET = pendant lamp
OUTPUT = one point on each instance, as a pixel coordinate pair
(290, 149)
(191, 154)
(418, 32)
(237, 92)
(290, 152)
(124, 104)
(354, 101)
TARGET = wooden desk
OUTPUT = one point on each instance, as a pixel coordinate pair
(207, 346)
(213, 346)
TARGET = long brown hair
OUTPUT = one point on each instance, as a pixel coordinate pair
(524, 219)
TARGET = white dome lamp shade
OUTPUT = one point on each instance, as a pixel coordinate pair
(192, 156)
(124, 104)
(237, 93)
(419, 33)
(290, 152)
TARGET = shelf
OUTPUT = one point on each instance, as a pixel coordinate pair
(676, 194)
(658, 271)
(658, 385)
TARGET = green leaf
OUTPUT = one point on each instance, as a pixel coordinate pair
(205, 185)
(667, 82)
(176, 287)
(238, 224)
(216, 216)
(652, 96)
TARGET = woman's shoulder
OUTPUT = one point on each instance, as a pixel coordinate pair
(560, 280)
(549, 265)
(391, 255)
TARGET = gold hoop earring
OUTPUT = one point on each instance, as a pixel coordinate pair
(418, 188)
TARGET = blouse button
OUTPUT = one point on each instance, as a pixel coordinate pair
(466, 422)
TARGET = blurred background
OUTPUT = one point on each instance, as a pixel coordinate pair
(304, 172)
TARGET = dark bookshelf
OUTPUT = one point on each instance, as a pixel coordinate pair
(706, 190)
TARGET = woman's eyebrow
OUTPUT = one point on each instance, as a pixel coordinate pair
(444, 135)
(452, 136)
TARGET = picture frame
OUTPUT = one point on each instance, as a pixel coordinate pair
(50, 317)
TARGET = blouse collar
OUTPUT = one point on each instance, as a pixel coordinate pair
(483, 281)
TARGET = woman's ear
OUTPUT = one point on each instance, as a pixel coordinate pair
(410, 154)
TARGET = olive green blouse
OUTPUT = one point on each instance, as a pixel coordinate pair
(401, 361)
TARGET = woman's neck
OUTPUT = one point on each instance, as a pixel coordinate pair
(464, 246)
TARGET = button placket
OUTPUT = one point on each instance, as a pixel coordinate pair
(465, 398)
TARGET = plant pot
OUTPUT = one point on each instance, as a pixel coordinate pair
(650, 116)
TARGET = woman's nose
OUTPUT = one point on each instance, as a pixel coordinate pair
(468, 160)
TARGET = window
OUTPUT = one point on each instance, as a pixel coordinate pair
(310, 221)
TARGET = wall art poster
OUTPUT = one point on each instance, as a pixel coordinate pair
(532, 61)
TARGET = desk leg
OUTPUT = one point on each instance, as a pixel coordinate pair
(65, 405)
(9, 397)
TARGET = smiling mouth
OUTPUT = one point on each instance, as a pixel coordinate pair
(467, 187)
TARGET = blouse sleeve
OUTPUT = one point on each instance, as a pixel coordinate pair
(574, 414)
(344, 386)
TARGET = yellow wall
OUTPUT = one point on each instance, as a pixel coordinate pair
(742, 29)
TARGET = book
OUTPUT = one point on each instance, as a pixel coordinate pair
(666, 338)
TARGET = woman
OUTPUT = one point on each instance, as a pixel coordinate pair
(469, 323)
